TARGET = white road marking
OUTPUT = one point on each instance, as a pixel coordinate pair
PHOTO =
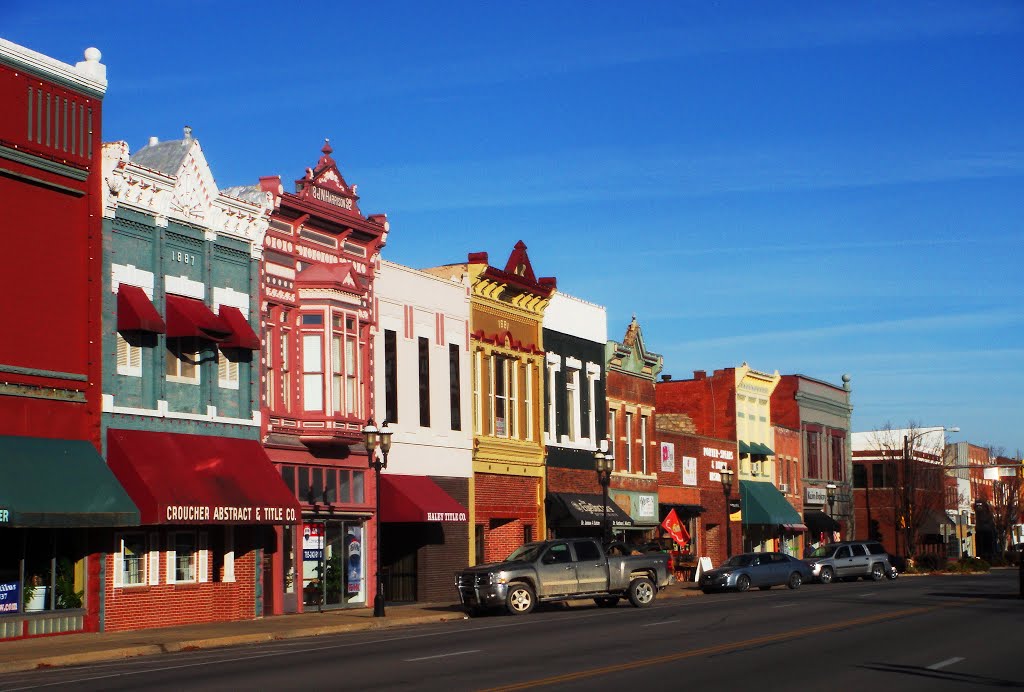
(454, 653)
(655, 624)
(866, 595)
(785, 605)
(947, 662)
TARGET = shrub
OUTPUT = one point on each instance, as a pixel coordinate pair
(929, 562)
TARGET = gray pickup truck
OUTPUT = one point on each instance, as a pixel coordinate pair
(560, 570)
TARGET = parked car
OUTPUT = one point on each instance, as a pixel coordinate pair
(560, 570)
(849, 560)
(763, 570)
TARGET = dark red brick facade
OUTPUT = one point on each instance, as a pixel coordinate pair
(506, 506)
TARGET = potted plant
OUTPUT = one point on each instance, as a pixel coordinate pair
(37, 593)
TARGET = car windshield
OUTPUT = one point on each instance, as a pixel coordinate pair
(823, 551)
(739, 561)
(525, 553)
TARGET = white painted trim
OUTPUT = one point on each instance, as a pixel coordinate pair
(133, 276)
(574, 363)
(232, 298)
(90, 75)
(184, 286)
(594, 369)
(162, 411)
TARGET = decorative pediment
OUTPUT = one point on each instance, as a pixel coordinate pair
(194, 188)
(631, 355)
(519, 263)
(325, 184)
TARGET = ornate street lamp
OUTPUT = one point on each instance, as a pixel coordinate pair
(373, 438)
(727, 475)
(830, 493)
(604, 462)
(908, 458)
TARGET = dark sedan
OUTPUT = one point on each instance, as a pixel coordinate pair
(763, 570)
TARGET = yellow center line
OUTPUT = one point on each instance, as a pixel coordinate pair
(716, 649)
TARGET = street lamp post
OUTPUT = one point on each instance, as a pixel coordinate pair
(374, 438)
(727, 475)
(604, 462)
(830, 495)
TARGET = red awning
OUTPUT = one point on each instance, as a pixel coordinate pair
(242, 335)
(190, 317)
(199, 479)
(135, 312)
(416, 499)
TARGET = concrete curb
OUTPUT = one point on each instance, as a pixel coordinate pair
(125, 652)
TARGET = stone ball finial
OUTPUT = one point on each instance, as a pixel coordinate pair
(93, 54)
(846, 377)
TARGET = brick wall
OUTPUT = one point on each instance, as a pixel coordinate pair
(165, 605)
(504, 506)
(573, 481)
(709, 401)
(437, 563)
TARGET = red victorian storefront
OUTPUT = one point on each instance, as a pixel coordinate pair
(206, 505)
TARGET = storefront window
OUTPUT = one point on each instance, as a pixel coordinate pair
(184, 556)
(41, 569)
(133, 559)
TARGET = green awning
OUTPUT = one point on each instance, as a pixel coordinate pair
(764, 504)
(59, 483)
(744, 448)
(758, 448)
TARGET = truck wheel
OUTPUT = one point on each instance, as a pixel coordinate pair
(521, 599)
(641, 592)
(826, 576)
(877, 573)
(606, 601)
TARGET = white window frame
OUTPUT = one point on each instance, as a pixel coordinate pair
(554, 365)
(313, 371)
(143, 560)
(513, 397)
(629, 442)
(643, 442)
(573, 399)
(478, 416)
(613, 431)
(176, 351)
(528, 402)
(229, 554)
(129, 357)
(197, 557)
(593, 374)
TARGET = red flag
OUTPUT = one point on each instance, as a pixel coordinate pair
(675, 528)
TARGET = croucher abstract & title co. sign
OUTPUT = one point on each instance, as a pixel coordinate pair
(188, 514)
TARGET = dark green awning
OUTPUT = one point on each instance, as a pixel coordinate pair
(764, 504)
(50, 483)
(744, 448)
(758, 448)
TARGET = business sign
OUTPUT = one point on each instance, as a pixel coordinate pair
(668, 457)
(815, 496)
(689, 470)
(5, 516)
(9, 596)
(313, 542)
(642, 507)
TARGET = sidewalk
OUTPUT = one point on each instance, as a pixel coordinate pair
(78, 649)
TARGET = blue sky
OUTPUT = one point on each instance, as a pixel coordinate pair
(816, 188)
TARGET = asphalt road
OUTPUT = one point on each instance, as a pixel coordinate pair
(927, 633)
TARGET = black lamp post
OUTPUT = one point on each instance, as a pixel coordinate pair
(830, 494)
(373, 438)
(604, 462)
(727, 475)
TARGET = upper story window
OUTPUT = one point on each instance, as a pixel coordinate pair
(629, 442)
(643, 443)
(312, 372)
(454, 387)
(183, 361)
(572, 403)
(129, 354)
(390, 376)
(227, 370)
(423, 352)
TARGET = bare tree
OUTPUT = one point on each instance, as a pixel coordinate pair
(1007, 498)
(916, 455)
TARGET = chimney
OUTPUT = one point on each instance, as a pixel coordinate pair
(153, 141)
(700, 374)
(666, 378)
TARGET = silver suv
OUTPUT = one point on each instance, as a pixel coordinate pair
(848, 560)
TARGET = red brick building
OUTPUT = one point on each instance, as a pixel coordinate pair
(690, 482)
(631, 373)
